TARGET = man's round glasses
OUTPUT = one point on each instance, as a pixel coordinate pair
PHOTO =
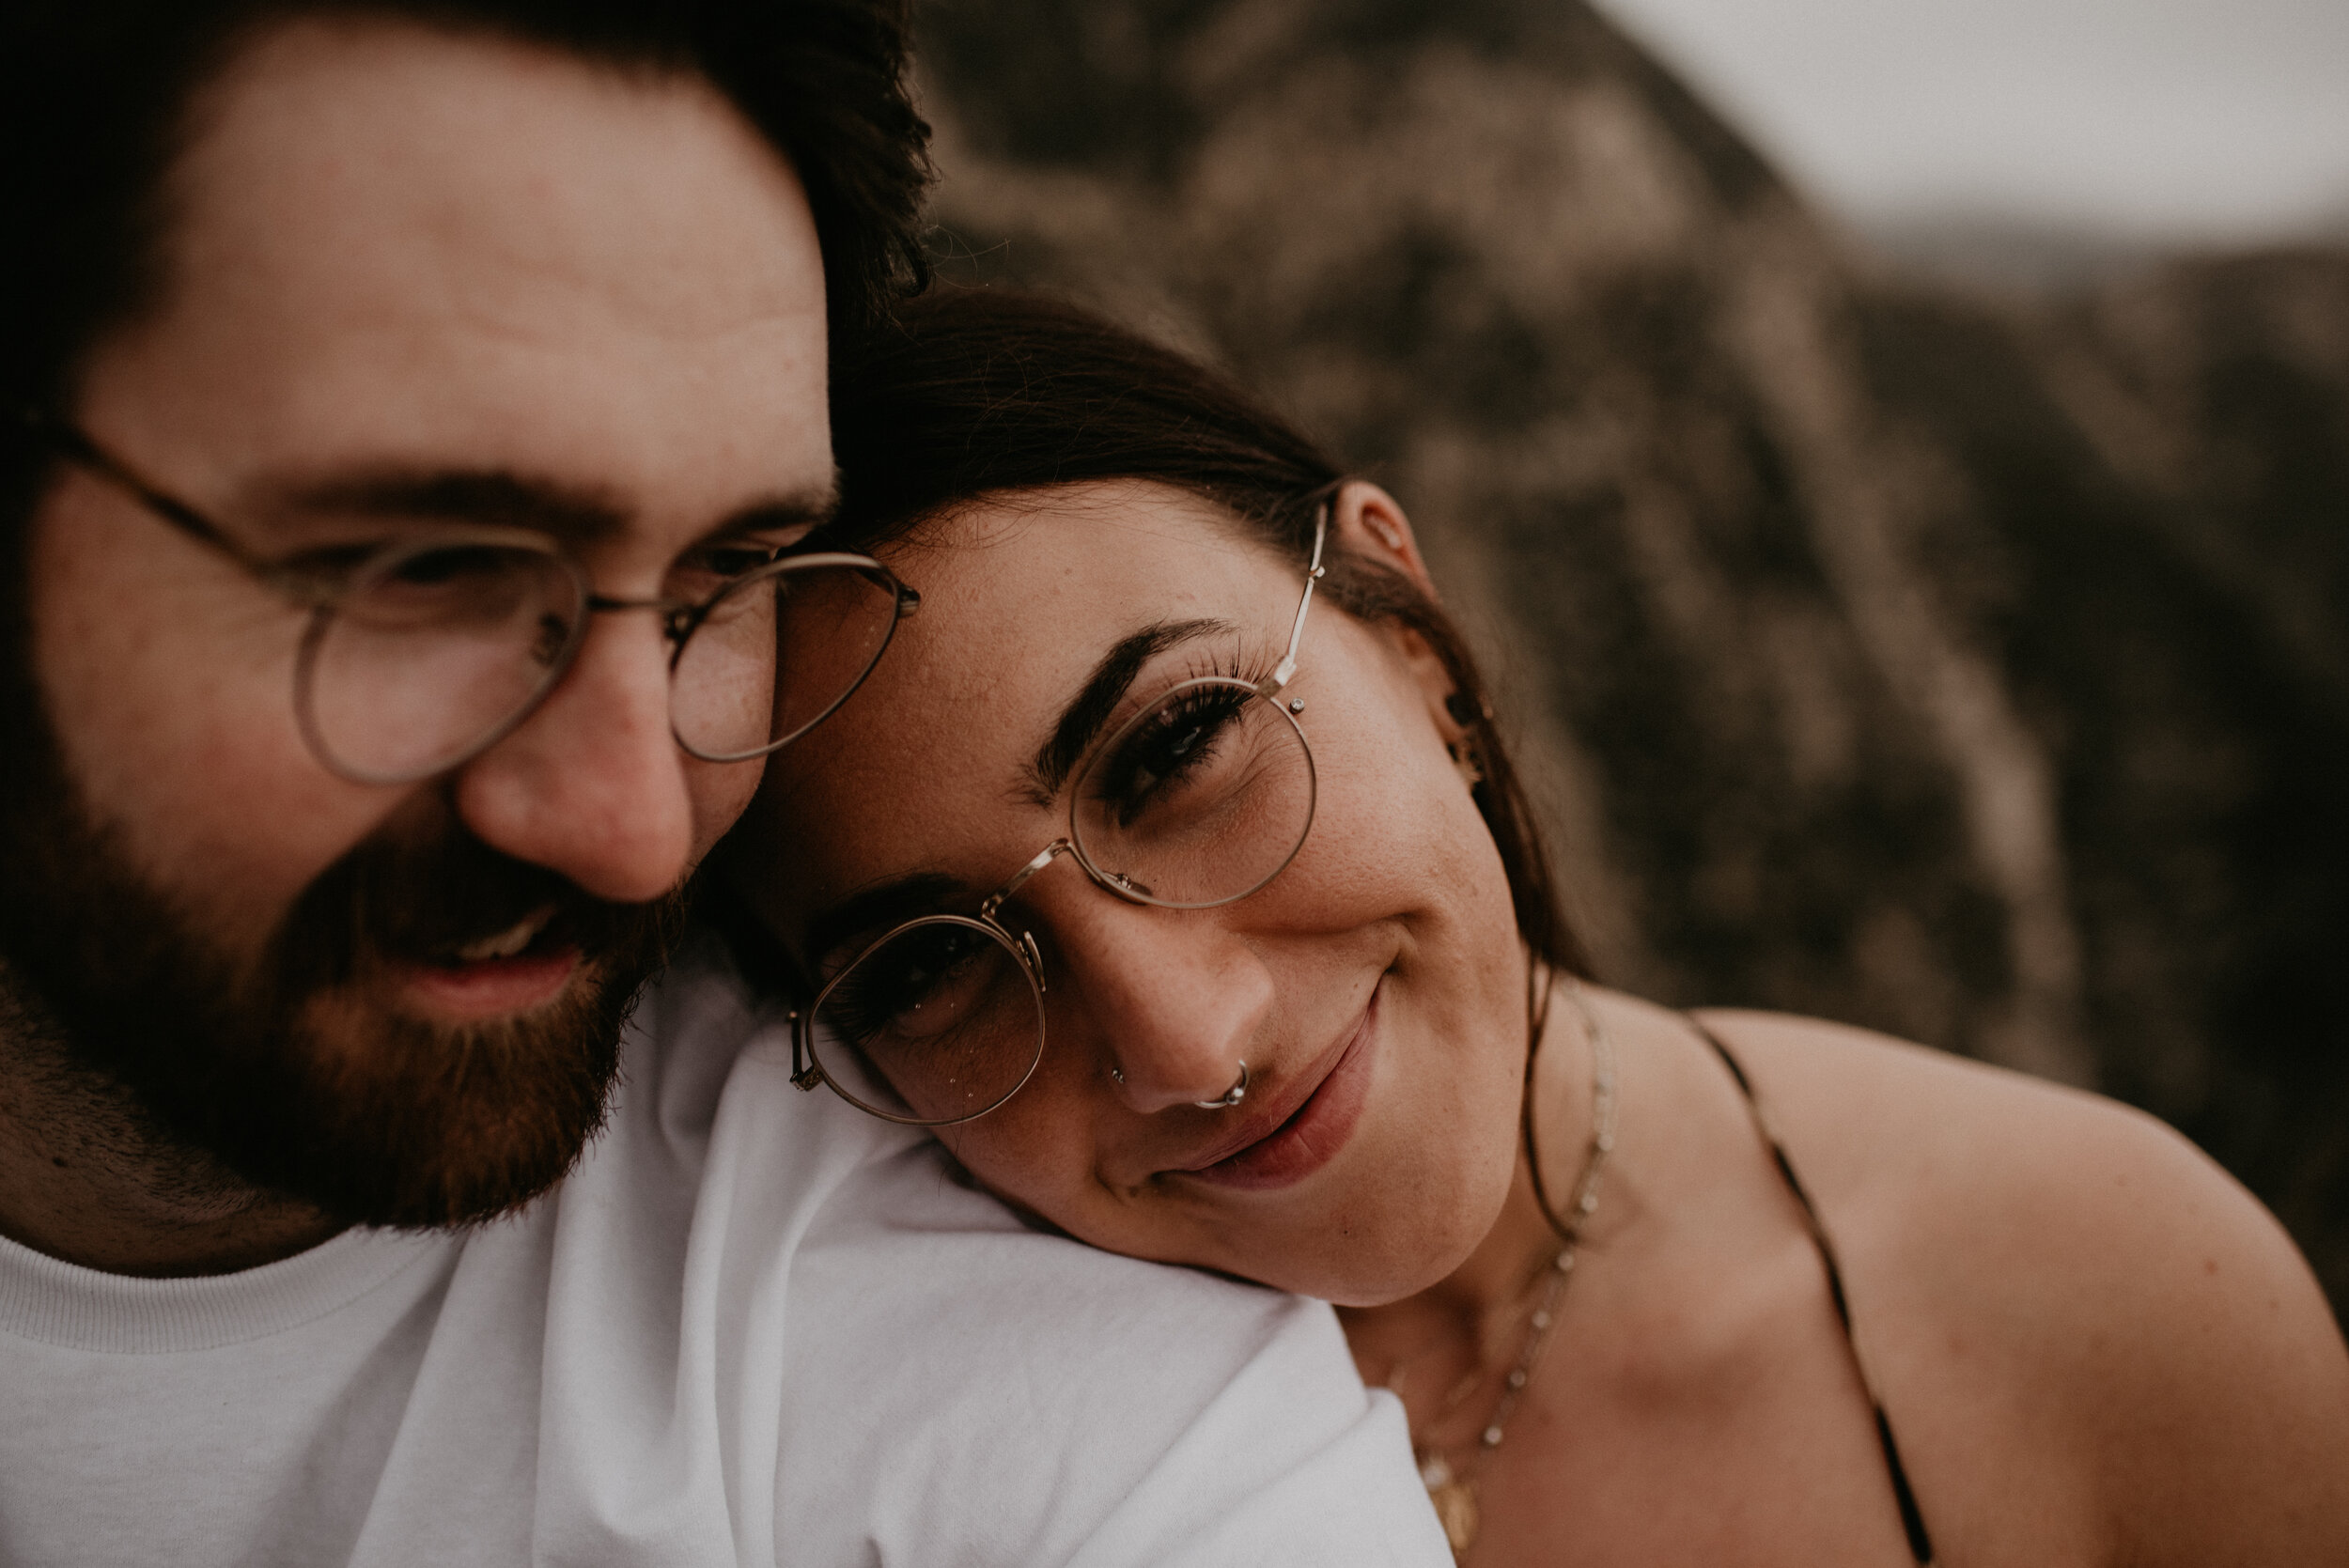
(420, 656)
(1201, 798)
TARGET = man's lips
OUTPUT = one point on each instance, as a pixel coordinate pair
(507, 972)
(1306, 1126)
(492, 988)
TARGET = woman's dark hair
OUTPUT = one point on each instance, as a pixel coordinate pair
(972, 393)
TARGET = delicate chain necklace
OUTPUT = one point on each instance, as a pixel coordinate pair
(1452, 1489)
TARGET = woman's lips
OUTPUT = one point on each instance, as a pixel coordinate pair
(1296, 1139)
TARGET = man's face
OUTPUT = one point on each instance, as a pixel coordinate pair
(439, 269)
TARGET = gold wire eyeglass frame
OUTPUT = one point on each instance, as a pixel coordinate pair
(322, 593)
(808, 1070)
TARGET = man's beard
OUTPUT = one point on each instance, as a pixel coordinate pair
(289, 1071)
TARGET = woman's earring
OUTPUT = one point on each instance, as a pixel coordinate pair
(1464, 760)
(1466, 712)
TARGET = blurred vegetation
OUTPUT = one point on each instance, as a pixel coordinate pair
(1975, 668)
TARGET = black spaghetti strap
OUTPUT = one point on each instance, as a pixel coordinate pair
(1912, 1518)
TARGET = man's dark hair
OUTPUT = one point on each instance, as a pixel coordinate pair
(104, 986)
(94, 108)
(971, 392)
(93, 101)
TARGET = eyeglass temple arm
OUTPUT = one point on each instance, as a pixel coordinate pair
(70, 442)
(1284, 672)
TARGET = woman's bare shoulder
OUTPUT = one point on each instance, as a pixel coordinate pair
(2073, 1246)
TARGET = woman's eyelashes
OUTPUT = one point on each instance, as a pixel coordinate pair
(914, 974)
(1173, 743)
(1170, 738)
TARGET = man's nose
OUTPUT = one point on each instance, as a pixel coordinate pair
(593, 784)
(1172, 998)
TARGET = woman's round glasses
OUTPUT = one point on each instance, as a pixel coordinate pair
(419, 657)
(1198, 801)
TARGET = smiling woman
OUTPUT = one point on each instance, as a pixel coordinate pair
(1300, 1009)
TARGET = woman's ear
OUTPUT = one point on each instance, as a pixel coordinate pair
(1370, 522)
(1445, 706)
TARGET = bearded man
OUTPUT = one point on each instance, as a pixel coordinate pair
(415, 456)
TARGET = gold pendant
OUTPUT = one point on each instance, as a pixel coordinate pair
(1455, 1497)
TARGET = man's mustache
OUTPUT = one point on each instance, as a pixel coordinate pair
(421, 887)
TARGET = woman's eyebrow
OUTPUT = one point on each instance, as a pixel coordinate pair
(1095, 701)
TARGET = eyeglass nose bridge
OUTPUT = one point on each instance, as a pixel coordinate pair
(677, 617)
(1042, 858)
(989, 910)
(1113, 882)
(681, 618)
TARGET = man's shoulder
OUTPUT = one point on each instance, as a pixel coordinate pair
(1113, 1410)
(904, 1283)
(937, 1380)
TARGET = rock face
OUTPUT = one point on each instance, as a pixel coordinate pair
(1974, 669)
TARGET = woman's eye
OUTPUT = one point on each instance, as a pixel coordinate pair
(888, 989)
(1174, 744)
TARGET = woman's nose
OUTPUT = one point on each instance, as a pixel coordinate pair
(1168, 1000)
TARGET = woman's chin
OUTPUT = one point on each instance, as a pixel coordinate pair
(1359, 1272)
(1364, 1268)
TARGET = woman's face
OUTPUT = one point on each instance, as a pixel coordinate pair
(1375, 988)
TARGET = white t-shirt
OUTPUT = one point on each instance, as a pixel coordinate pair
(754, 1326)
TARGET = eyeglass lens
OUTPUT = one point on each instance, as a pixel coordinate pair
(1198, 801)
(940, 1022)
(432, 653)
(428, 652)
(774, 654)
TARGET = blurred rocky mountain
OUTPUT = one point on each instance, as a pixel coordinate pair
(1968, 666)
(2004, 251)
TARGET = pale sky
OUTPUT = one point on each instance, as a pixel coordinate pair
(2153, 120)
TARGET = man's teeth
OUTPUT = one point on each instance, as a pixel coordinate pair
(508, 942)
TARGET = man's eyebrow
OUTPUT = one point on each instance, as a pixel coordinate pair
(872, 911)
(503, 498)
(807, 511)
(1095, 701)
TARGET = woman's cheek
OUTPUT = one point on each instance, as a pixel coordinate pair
(1041, 1153)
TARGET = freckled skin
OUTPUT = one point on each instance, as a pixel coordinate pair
(1397, 888)
(2068, 1387)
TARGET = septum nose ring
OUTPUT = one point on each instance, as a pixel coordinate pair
(1232, 1096)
